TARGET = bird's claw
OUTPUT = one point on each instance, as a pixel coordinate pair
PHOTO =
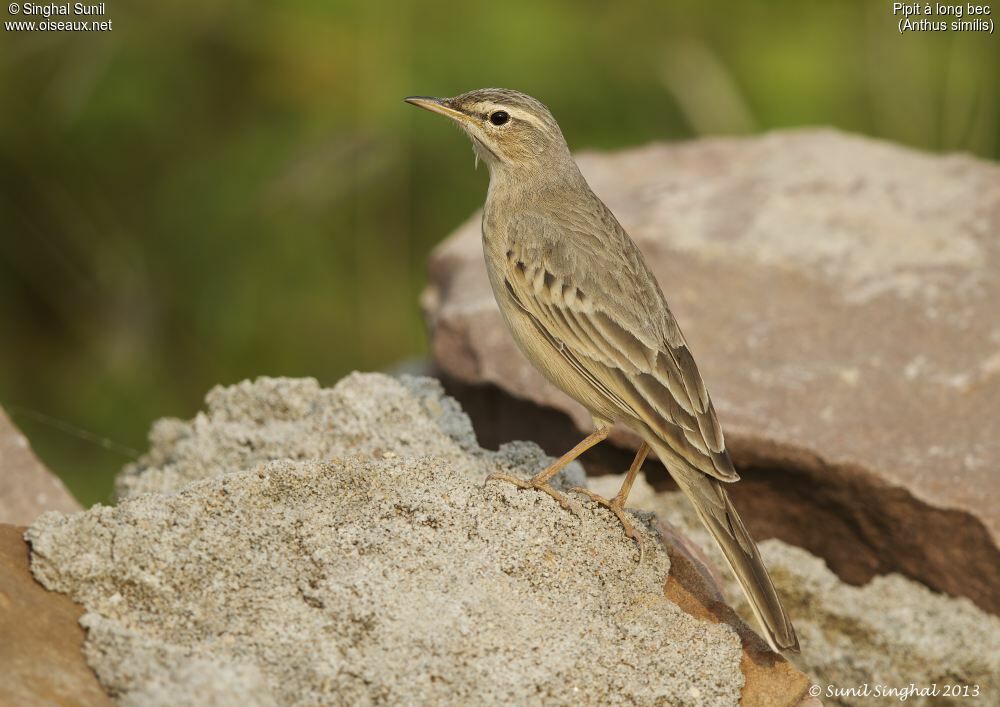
(617, 507)
(565, 501)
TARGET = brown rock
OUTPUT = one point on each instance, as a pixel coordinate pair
(840, 295)
(40, 657)
(26, 487)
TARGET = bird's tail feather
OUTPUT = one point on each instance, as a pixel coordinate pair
(717, 512)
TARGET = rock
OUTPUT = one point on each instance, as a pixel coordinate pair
(40, 657)
(371, 564)
(840, 295)
(26, 487)
(269, 419)
(891, 631)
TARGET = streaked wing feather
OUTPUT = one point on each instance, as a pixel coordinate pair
(571, 358)
(642, 365)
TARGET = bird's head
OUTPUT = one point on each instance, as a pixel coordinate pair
(510, 131)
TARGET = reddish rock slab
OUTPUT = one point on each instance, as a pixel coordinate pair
(41, 662)
(842, 298)
(27, 487)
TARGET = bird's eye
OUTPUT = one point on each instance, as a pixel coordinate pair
(499, 117)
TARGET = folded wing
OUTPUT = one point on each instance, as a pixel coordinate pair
(619, 334)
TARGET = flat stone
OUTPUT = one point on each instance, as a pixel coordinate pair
(27, 487)
(371, 563)
(840, 295)
(40, 658)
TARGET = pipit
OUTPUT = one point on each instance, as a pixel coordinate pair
(586, 310)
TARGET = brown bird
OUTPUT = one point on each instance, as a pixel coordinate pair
(583, 306)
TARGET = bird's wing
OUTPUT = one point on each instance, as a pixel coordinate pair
(591, 294)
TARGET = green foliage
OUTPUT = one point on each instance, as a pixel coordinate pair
(208, 193)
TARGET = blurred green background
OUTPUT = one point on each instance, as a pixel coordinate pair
(217, 191)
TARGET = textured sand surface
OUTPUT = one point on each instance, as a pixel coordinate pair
(381, 570)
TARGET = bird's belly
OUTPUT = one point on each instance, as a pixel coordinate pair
(549, 361)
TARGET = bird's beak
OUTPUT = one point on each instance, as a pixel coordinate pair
(438, 105)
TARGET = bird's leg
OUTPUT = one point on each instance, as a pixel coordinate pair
(617, 504)
(540, 480)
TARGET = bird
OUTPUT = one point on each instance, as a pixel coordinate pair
(586, 310)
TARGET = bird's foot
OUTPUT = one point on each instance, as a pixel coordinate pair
(565, 501)
(616, 506)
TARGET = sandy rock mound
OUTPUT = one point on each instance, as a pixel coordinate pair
(294, 418)
(378, 570)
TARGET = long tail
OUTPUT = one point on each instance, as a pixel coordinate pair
(717, 512)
